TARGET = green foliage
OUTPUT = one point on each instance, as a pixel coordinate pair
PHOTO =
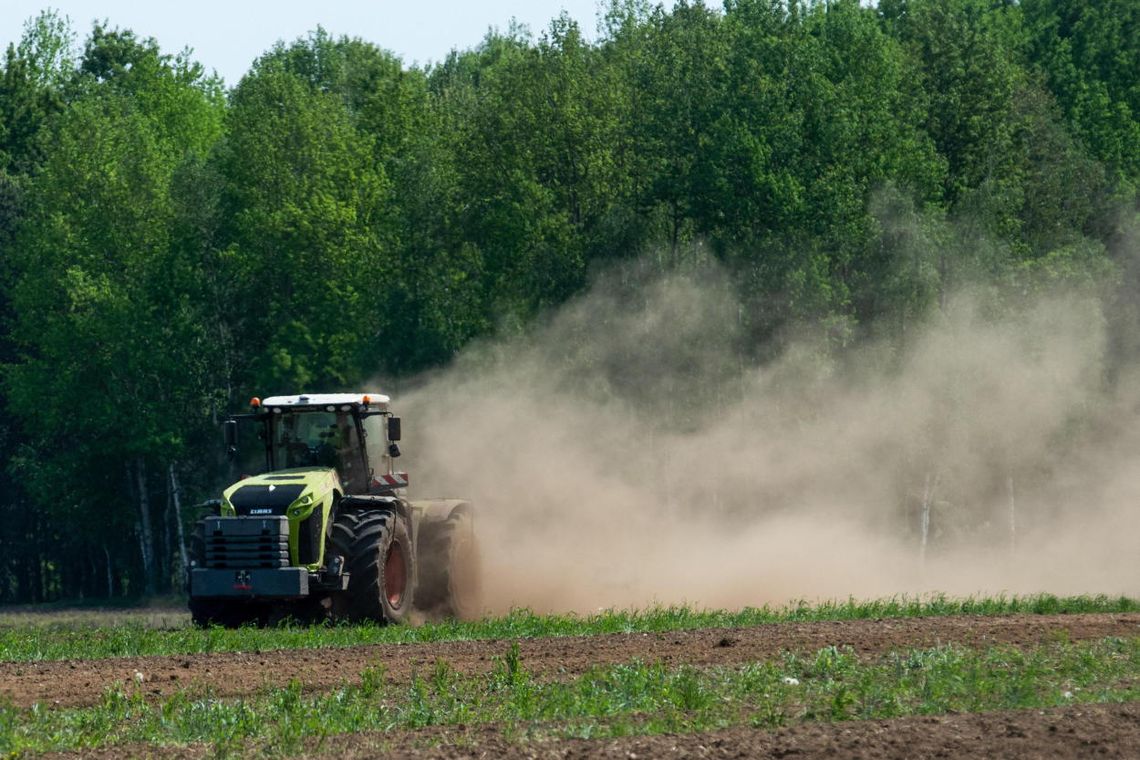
(338, 214)
(304, 234)
(32, 86)
(101, 294)
(54, 639)
(1090, 53)
(634, 698)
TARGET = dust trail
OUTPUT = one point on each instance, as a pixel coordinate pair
(623, 455)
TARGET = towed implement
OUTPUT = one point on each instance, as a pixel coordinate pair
(325, 530)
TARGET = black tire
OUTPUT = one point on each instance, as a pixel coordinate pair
(449, 569)
(311, 611)
(203, 612)
(228, 614)
(378, 557)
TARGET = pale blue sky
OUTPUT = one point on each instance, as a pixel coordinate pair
(228, 36)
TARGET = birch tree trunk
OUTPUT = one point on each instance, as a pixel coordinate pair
(165, 561)
(928, 489)
(176, 499)
(110, 575)
(146, 534)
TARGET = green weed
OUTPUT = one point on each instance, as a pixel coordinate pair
(88, 641)
(635, 697)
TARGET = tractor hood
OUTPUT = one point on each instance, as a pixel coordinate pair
(275, 492)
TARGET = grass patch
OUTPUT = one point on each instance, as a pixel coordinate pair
(55, 641)
(633, 698)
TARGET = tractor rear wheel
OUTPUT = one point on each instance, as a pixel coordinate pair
(449, 569)
(377, 554)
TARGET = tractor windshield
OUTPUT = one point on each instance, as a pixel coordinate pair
(316, 439)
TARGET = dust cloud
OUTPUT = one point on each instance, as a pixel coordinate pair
(624, 454)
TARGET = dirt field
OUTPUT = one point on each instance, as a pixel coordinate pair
(1102, 730)
(83, 682)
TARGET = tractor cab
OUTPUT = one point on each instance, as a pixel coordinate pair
(354, 434)
(318, 438)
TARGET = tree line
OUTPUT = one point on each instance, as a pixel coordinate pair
(170, 247)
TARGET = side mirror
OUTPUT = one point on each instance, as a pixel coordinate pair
(229, 432)
(393, 449)
(393, 428)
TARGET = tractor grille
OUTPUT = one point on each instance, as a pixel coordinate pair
(247, 543)
(265, 500)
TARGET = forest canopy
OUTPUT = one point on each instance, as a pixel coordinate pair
(171, 246)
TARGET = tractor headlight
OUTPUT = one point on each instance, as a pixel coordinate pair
(301, 505)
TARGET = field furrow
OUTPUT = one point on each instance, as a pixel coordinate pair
(1105, 731)
(231, 674)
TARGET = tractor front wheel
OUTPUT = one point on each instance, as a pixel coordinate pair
(377, 553)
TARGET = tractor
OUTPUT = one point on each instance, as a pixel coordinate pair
(325, 531)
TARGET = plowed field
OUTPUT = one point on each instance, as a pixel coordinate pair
(1076, 731)
(232, 674)
(1100, 731)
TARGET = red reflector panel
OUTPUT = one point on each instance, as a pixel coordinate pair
(395, 480)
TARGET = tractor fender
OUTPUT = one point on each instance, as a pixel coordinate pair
(438, 510)
(366, 501)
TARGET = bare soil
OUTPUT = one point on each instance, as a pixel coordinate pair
(1080, 731)
(83, 682)
(1102, 731)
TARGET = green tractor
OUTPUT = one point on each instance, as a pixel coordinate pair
(325, 531)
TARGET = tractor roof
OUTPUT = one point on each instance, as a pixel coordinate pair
(376, 401)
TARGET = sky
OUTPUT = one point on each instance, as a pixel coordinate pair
(228, 36)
